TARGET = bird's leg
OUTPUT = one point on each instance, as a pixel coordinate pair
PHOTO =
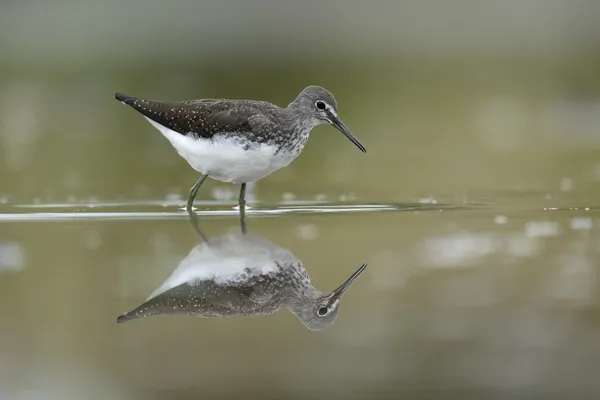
(196, 228)
(242, 204)
(194, 190)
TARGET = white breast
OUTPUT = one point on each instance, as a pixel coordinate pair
(226, 159)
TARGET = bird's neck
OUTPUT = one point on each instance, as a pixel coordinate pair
(300, 292)
(296, 301)
(299, 126)
(298, 281)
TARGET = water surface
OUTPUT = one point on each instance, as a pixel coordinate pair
(493, 300)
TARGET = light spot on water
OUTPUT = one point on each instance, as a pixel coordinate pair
(581, 223)
(535, 229)
(566, 184)
(307, 232)
(91, 200)
(288, 196)
(500, 219)
(321, 197)
(347, 197)
(428, 200)
(11, 257)
(223, 194)
(459, 250)
(173, 197)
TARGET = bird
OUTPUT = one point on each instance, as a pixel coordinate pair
(243, 275)
(240, 141)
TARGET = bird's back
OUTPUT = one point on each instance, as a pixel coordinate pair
(208, 118)
(253, 296)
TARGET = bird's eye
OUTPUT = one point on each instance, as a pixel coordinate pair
(322, 311)
(320, 105)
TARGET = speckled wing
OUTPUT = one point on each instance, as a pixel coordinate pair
(227, 299)
(205, 299)
(201, 118)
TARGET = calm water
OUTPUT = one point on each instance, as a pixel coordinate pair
(477, 300)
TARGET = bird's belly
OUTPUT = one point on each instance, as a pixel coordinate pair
(228, 159)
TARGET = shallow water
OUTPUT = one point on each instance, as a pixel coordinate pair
(476, 206)
(481, 300)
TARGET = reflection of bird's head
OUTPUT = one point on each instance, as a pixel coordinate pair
(320, 309)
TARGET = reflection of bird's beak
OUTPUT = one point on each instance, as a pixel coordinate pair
(335, 121)
(339, 292)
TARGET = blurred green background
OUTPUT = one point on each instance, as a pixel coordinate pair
(495, 104)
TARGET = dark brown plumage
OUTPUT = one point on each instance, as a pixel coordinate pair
(209, 118)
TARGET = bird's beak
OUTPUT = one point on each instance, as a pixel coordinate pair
(335, 121)
(339, 292)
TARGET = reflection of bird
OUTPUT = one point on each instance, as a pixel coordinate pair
(242, 275)
(240, 141)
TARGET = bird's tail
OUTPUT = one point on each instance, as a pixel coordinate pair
(125, 99)
(126, 317)
(142, 311)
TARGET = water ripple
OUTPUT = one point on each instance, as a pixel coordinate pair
(173, 210)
